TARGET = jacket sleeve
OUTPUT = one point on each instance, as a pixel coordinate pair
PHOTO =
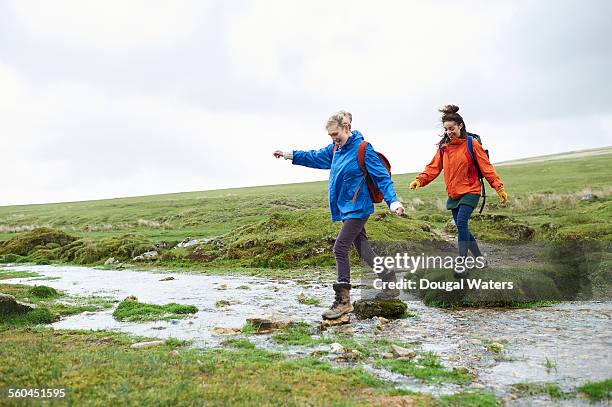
(432, 170)
(486, 168)
(314, 158)
(379, 175)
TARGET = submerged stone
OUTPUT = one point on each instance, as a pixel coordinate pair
(268, 323)
(391, 309)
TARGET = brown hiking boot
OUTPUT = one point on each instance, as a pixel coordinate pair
(342, 304)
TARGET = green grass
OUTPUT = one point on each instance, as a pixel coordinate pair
(287, 226)
(132, 310)
(470, 399)
(534, 389)
(92, 367)
(6, 275)
(48, 308)
(597, 391)
(426, 367)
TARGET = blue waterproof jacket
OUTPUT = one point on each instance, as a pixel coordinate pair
(346, 175)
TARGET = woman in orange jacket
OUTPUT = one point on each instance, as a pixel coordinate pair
(460, 176)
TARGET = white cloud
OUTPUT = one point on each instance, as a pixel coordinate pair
(106, 99)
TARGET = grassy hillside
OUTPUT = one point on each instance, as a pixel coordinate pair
(288, 225)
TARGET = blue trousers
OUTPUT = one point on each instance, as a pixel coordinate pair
(461, 215)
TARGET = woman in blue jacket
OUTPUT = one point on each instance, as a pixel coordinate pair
(349, 197)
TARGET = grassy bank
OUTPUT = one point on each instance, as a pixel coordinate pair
(92, 367)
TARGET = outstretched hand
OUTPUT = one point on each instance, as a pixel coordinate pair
(415, 184)
(399, 211)
(278, 154)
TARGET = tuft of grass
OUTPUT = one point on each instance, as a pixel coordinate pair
(308, 300)
(299, 333)
(248, 328)
(426, 367)
(43, 291)
(550, 364)
(38, 316)
(470, 399)
(239, 343)
(534, 389)
(5, 274)
(597, 391)
(131, 310)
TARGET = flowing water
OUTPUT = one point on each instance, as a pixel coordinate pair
(567, 344)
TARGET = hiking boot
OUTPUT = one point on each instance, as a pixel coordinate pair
(342, 304)
(388, 293)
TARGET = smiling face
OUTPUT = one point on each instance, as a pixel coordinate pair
(452, 129)
(339, 134)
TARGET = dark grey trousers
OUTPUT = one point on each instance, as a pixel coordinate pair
(352, 233)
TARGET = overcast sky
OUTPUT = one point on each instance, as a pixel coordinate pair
(103, 99)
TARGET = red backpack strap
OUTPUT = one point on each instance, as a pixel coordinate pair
(361, 151)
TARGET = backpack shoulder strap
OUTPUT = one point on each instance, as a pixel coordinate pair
(361, 152)
(470, 147)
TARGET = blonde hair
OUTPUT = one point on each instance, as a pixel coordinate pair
(340, 118)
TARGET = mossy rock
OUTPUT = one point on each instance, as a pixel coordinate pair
(391, 309)
(24, 243)
(528, 286)
(10, 306)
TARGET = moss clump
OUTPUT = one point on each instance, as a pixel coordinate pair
(391, 309)
(426, 367)
(132, 310)
(480, 399)
(88, 251)
(297, 238)
(496, 227)
(37, 316)
(597, 391)
(43, 291)
(41, 238)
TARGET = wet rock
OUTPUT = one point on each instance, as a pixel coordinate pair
(381, 323)
(10, 306)
(147, 256)
(111, 260)
(268, 323)
(336, 348)
(327, 323)
(387, 355)
(222, 287)
(588, 197)
(402, 353)
(222, 303)
(167, 278)
(221, 330)
(391, 309)
(141, 345)
(130, 298)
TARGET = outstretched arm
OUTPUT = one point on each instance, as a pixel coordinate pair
(314, 158)
(431, 171)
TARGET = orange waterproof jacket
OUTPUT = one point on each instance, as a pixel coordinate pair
(460, 175)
